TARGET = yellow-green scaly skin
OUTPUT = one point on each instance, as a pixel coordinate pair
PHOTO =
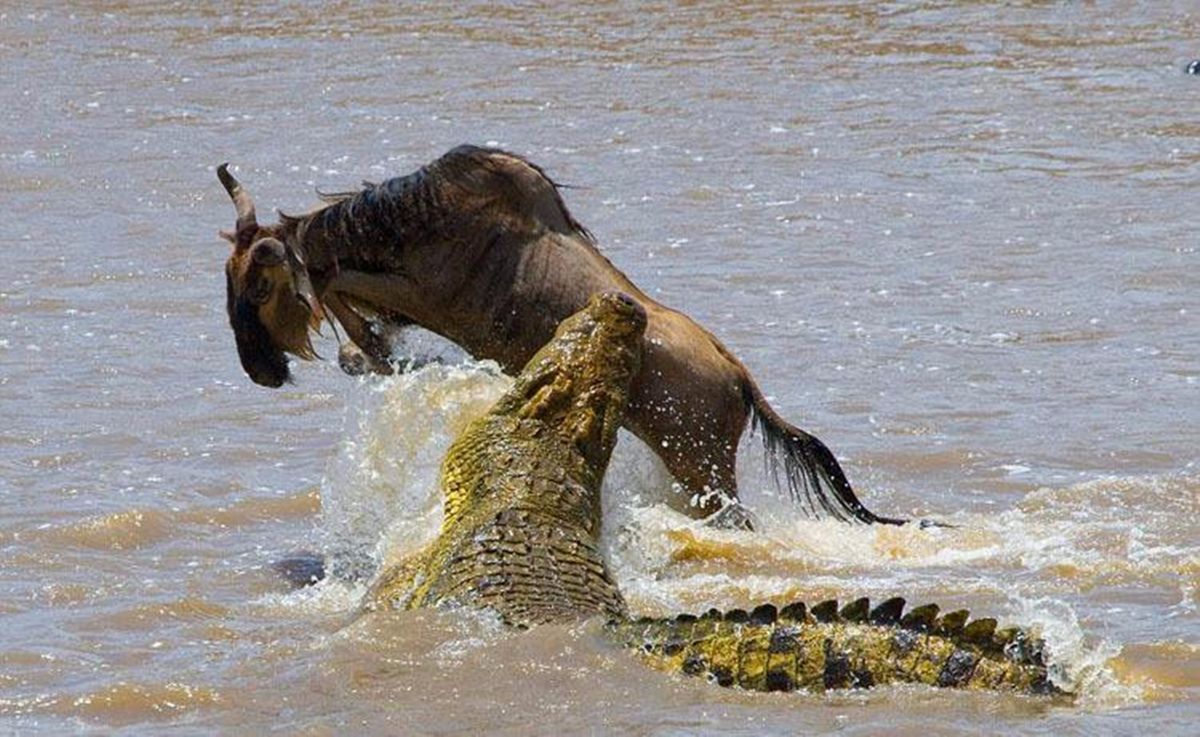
(792, 650)
(522, 483)
(521, 533)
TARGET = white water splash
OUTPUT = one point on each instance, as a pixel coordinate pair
(381, 500)
(1075, 664)
(381, 494)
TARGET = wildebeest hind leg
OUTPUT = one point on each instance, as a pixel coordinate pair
(708, 485)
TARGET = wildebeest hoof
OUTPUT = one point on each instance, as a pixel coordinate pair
(351, 360)
(300, 569)
(412, 363)
(732, 516)
(925, 524)
(356, 362)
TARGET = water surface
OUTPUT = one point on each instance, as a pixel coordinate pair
(955, 240)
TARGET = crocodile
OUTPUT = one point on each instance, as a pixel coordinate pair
(521, 529)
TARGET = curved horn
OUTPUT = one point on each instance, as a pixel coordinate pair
(246, 220)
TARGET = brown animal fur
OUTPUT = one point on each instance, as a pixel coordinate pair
(480, 248)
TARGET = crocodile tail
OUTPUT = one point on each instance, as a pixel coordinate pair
(811, 471)
(825, 647)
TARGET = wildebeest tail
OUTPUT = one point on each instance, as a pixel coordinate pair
(809, 469)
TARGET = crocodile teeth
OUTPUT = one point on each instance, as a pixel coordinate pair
(921, 618)
(888, 612)
(856, 611)
(826, 611)
(951, 624)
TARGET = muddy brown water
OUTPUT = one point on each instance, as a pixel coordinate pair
(955, 240)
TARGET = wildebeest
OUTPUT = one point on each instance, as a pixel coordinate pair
(479, 247)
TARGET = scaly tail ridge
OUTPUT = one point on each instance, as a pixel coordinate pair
(831, 647)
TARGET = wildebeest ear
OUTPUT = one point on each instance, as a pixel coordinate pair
(227, 236)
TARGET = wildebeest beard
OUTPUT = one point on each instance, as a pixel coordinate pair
(263, 362)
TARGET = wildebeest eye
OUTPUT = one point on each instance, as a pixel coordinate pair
(260, 292)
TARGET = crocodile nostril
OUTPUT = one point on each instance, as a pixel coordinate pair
(622, 299)
(632, 305)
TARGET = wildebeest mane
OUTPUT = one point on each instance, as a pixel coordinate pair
(430, 202)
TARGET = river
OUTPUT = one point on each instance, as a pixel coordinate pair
(957, 241)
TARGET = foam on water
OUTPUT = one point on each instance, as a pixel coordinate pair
(967, 261)
(330, 596)
(380, 497)
(1077, 664)
(380, 501)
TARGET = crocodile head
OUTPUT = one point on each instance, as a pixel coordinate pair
(578, 383)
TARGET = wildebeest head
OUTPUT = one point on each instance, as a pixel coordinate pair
(271, 303)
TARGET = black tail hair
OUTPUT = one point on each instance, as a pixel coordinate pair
(811, 471)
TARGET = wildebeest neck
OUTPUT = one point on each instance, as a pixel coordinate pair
(367, 230)
(445, 205)
(458, 237)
